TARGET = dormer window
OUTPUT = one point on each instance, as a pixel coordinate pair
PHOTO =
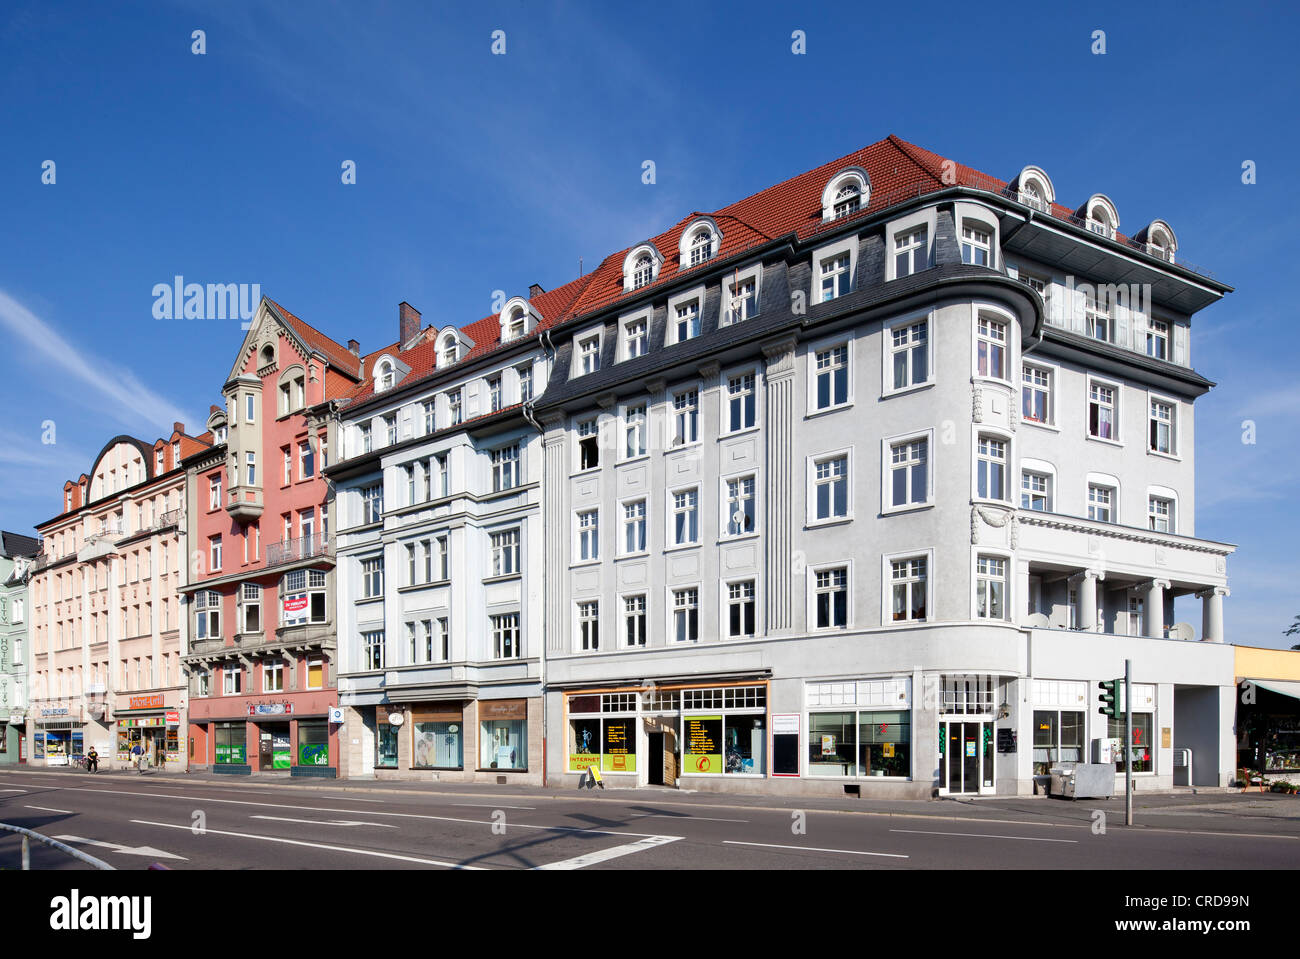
(159, 458)
(589, 355)
(386, 375)
(450, 353)
(701, 248)
(847, 200)
(1034, 189)
(1159, 240)
(976, 244)
(516, 326)
(641, 267)
(1101, 217)
(517, 317)
(699, 243)
(845, 194)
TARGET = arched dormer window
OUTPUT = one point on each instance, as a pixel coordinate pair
(268, 356)
(846, 193)
(385, 375)
(1158, 239)
(517, 318)
(448, 350)
(1100, 216)
(1034, 189)
(641, 267)
(700, 242)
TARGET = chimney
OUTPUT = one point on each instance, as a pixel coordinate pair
(354, 347)
(535, 290)
(408, 320)
(179, 427)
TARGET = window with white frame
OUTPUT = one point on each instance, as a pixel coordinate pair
(831, 598)
(288, 465)
(634, 625)
(251, 597)
(686, 517)
(701, 248)
(1101, 503)
(444, 639)
(634, 527)
(1036, 394)
(832, 375)
(1036, 491)
(443, 544)
(516, 327)
(232, 679)
(306, 461)
(907, 583)
(372, 649)
(741, 402)
(1161, 433)
(589, 625)
(990, 587)
(250, 408)
(390, 429)
(214, 554)
(525, 377)
(634, 431)
(910, 255)
(372, 577)
(741, 511)
(909, 472)
(442, 462)
(991, 468)
(494, 392)
(686, 417)
(1103, 411)
(1160, 514)
(207, 614)
(1096, 312)
(976, 244)
(742, 301)
(1136, 615)
(251, 468)
(505, 468)
(273, 676)
(589, 355)
(848, 200)
(364, 437)
(454, 407)
(214, 492)
(831, 487)
(588, 444)
(991, 347)
(687, 320)
(642, 271)
(589, 535)
(1157, 345)
(505, 637)
(740, 609)
(505, 552)
(835, 279)
(636, 338)
(372, 503)
(909, 354)
(686, 615)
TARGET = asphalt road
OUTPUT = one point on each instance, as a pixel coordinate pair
(183, 823)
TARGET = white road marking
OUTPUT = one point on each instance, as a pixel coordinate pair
(659, 815)
(13, 790)
(591, 858)
(480, 805)
(982, 835)
(327, 822)
(125, 850)
(68, 812)
(314, 845)
(847, 852)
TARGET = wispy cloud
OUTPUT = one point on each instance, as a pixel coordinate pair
(130, 402)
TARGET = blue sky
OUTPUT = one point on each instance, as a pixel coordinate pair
(478, 172)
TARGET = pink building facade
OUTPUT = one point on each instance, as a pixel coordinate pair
(260, 592)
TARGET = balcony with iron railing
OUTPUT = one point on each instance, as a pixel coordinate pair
(297, 549)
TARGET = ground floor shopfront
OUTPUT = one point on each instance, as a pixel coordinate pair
(293, 735)
(445, 740)
(908, 734)
(153, 722)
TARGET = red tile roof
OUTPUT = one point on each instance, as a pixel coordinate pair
(339, 356)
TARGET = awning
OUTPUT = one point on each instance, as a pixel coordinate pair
(1287, 687)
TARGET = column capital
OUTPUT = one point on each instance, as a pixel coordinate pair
(1083, 574)
(1151, 584)
(1212, 591)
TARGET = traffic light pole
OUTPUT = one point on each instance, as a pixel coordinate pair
(1128, 742)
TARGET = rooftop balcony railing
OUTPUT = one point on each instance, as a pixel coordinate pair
(293, 550)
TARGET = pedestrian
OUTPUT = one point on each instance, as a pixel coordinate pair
(92, 760)
(137, 754)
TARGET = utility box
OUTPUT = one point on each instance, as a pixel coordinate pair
(1084, 781)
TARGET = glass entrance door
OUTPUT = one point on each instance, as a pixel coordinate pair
(965, 756)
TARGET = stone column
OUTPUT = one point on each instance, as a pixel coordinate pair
(780, 383)
(1154, 603)
(1212, 613)
(1086, 583)
(1022, 593)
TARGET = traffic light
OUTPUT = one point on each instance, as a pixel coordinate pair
(1109, 697)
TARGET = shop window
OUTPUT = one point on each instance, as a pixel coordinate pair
(313, 744)
(1143, 761)
(386, 746)
(229, 739)
(1058, 738)
(861, 743)
(503, 744)
(437, 745)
